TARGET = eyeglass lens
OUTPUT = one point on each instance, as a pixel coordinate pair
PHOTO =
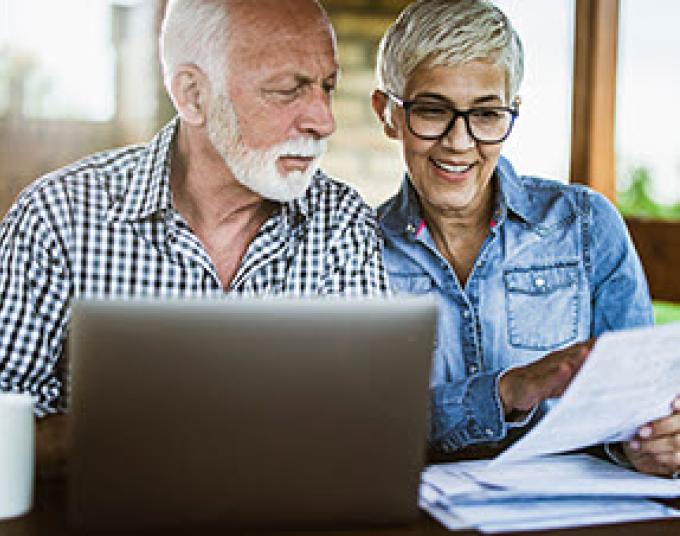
(431, 120)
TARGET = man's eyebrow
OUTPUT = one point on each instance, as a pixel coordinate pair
(282, 77)
(300, 79)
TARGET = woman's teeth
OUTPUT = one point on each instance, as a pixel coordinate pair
(452, 168)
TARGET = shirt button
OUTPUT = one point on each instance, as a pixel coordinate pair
(466, 314)
(488, 432)
(472, 369)
(410, 228)
(539, 282)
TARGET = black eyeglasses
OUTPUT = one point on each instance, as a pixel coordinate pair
(430, 119)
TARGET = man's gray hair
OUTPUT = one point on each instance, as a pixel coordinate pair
(447, 33)
(195, 32)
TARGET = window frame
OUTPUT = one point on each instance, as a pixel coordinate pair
(592, 159)
(592, 145)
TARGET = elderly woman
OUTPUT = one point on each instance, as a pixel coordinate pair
(523, 267)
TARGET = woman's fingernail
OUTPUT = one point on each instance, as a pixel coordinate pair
(645, 431)
(676, 403)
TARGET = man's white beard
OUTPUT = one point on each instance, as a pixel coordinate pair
(256, 169)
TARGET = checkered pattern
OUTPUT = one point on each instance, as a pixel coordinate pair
(105, 227)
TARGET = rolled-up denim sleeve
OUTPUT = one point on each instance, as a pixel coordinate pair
(466, 412)
(620, 295)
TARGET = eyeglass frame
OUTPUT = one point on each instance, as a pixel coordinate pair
(407, 104)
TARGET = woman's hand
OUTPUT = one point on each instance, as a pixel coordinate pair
(521, 388)
(656, 448)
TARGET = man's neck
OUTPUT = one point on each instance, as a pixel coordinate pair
(204, 190)
(224, 215)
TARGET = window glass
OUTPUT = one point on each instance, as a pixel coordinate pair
(57, 59)
(648, 115)
(540, 143)
(361, 154)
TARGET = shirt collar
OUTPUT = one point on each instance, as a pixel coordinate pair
(402, 212)
(403, 215)
(533, 205)
(511, 194)
(300, 207)
(148, 191)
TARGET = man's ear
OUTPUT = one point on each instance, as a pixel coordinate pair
(380, 103)
(190, 92)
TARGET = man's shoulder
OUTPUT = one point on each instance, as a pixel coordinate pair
(337, 202)
(85, 179)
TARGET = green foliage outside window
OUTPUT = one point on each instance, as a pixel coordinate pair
(665, 312)
(637, 201)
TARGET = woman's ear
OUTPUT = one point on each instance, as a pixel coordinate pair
(381, 103)
(516, 102)
(190, 93)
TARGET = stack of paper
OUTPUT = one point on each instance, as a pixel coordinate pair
(546, 492)
(629, 379)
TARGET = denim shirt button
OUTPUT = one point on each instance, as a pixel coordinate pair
(466, 314)
(539, 282)
(488, 432)
(472, 369)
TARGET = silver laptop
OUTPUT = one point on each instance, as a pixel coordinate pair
(274, 412)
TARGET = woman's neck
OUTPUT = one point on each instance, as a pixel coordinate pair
(460, 233)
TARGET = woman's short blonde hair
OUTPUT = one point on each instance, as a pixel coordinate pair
(446, 33)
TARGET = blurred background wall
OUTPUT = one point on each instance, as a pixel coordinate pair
(78, 76)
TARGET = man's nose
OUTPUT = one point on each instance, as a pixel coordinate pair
(316, 117)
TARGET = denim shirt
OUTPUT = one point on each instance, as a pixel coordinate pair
(556, 268)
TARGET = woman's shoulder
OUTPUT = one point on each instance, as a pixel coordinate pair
(541, 199)
(395, 212)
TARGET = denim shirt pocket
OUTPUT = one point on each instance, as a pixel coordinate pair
(410, 283)
(542, 305)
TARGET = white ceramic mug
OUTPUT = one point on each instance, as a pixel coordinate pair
(17, 458)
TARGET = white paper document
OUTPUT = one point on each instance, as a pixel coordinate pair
(630, 378)
(542, 493)
(569, 474)
(553, 513)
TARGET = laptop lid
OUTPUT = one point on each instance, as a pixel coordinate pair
(267, 412)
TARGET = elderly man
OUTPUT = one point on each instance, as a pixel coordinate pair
(225, 199)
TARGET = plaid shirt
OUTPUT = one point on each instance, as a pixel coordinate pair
(106, 227)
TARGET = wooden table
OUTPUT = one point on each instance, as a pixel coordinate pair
(48, 518)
